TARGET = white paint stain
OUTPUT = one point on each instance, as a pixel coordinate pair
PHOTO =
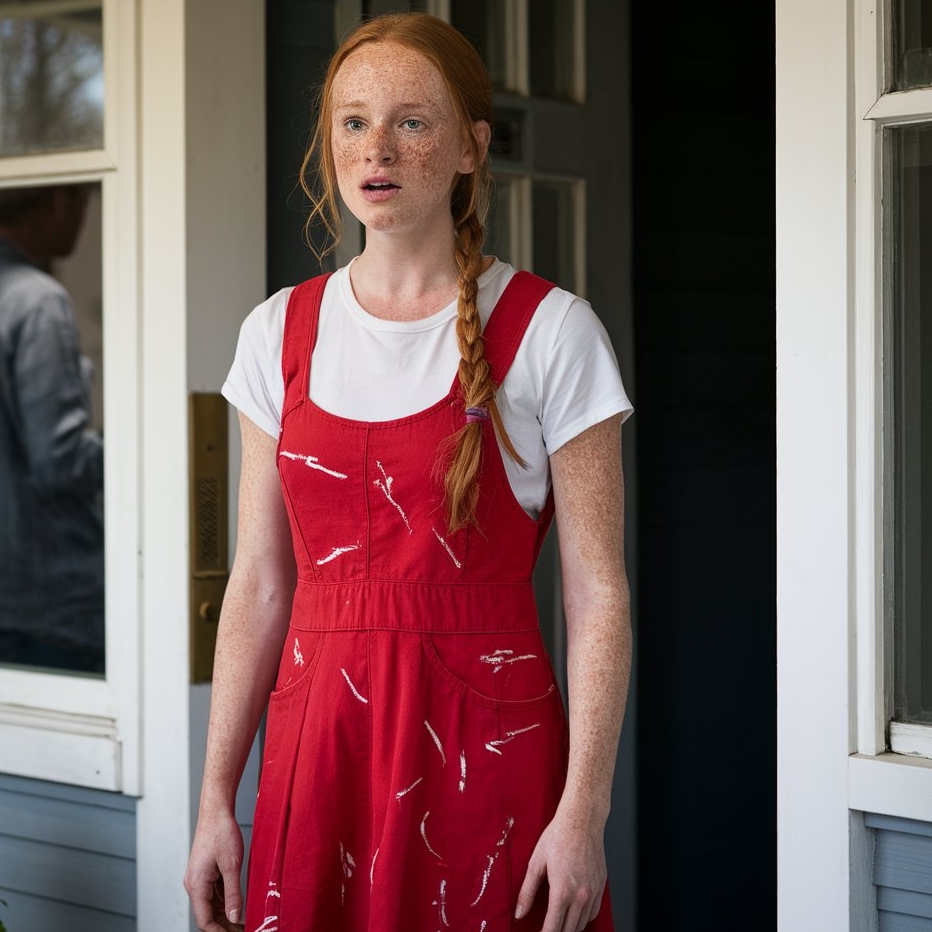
(462, 771)
(446, 547)
(265, 927)
(433, 735)
(485, 880)
(298, 656)
(492, 858)
(502, 658)
(424, 836)
(441, 904)
(385, 484)
(352, 687)
(509, 736)
(313, 462)
(408, 789)
(338, 552)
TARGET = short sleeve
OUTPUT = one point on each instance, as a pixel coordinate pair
(254, 385)
(581, 384)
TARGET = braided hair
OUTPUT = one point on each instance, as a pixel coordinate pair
(470, 89)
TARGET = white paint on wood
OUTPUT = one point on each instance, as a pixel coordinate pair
(814, 295)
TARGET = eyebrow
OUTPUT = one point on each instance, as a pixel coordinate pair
(405, 105)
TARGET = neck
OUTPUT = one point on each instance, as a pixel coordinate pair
(405, 277)
(30, 246)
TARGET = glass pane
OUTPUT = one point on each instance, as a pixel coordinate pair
(913, 31)
(554, 232)
(552, 48)
(910, 396)
(51, 446)
(499, 231)
(483, 22)
(51, 76)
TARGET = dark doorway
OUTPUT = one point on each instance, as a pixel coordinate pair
(704, 241)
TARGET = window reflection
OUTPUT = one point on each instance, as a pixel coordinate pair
(51, 76)
(51, 454)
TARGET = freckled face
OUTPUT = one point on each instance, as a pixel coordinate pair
(397, 146)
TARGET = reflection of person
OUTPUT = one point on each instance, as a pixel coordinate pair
(417, 769)
(51, 461)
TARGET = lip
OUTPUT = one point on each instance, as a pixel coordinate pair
(377, 195)
(379, 179)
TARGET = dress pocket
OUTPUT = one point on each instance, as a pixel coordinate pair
(497, 670)
(299, 658)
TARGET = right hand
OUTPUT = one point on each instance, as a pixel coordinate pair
(213, 875)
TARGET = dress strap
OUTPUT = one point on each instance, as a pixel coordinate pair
(300, 335)
(509, 321)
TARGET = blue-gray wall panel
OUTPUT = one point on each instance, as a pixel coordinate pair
(904, 901)
(26, 912)
(903, 861)
(894, 922)
(67, 857)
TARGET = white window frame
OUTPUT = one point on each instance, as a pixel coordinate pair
(68, 728)
(890, 772)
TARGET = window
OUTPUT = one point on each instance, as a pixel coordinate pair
(51, 77)
(67, 87)
(910, 399)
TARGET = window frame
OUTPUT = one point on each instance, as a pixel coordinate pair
(58, 726)
(889, 760)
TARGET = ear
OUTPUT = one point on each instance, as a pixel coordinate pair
(482, 134)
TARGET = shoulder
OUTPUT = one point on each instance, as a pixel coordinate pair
(261, 331)
(34, 305)
(560, 318)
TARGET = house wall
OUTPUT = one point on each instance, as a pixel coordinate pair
(902, 873)
(67, 857)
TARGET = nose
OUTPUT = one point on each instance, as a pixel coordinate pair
(381, 146)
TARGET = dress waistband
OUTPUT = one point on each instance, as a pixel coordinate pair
(414, 606)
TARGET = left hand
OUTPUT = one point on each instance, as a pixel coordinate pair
(572, 858)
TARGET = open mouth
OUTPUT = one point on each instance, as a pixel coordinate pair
(379, 186)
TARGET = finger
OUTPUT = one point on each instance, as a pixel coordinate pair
(200, 893)
(232, 895)
(532, 879)
(596, 906)
(572, 921)
(554, 921)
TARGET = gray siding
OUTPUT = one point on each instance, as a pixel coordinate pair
(67, 857)
(902, 873)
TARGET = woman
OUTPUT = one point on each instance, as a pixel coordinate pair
(417, 771)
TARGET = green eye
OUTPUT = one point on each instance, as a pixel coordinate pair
(413, 124)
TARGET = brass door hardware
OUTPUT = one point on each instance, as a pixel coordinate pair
(209, 527)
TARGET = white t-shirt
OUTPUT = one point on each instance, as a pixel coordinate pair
(563, 380)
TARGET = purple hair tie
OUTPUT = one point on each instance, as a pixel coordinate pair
(476, 415)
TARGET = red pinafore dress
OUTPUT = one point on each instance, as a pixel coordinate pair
(416, 742)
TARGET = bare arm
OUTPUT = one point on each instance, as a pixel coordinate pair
(253, 625)
(589, 495)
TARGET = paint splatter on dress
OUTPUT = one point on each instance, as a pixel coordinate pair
(416, 744)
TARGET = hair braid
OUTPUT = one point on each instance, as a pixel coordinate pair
(461, 482)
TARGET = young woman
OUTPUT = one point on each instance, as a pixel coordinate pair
(417, 771)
